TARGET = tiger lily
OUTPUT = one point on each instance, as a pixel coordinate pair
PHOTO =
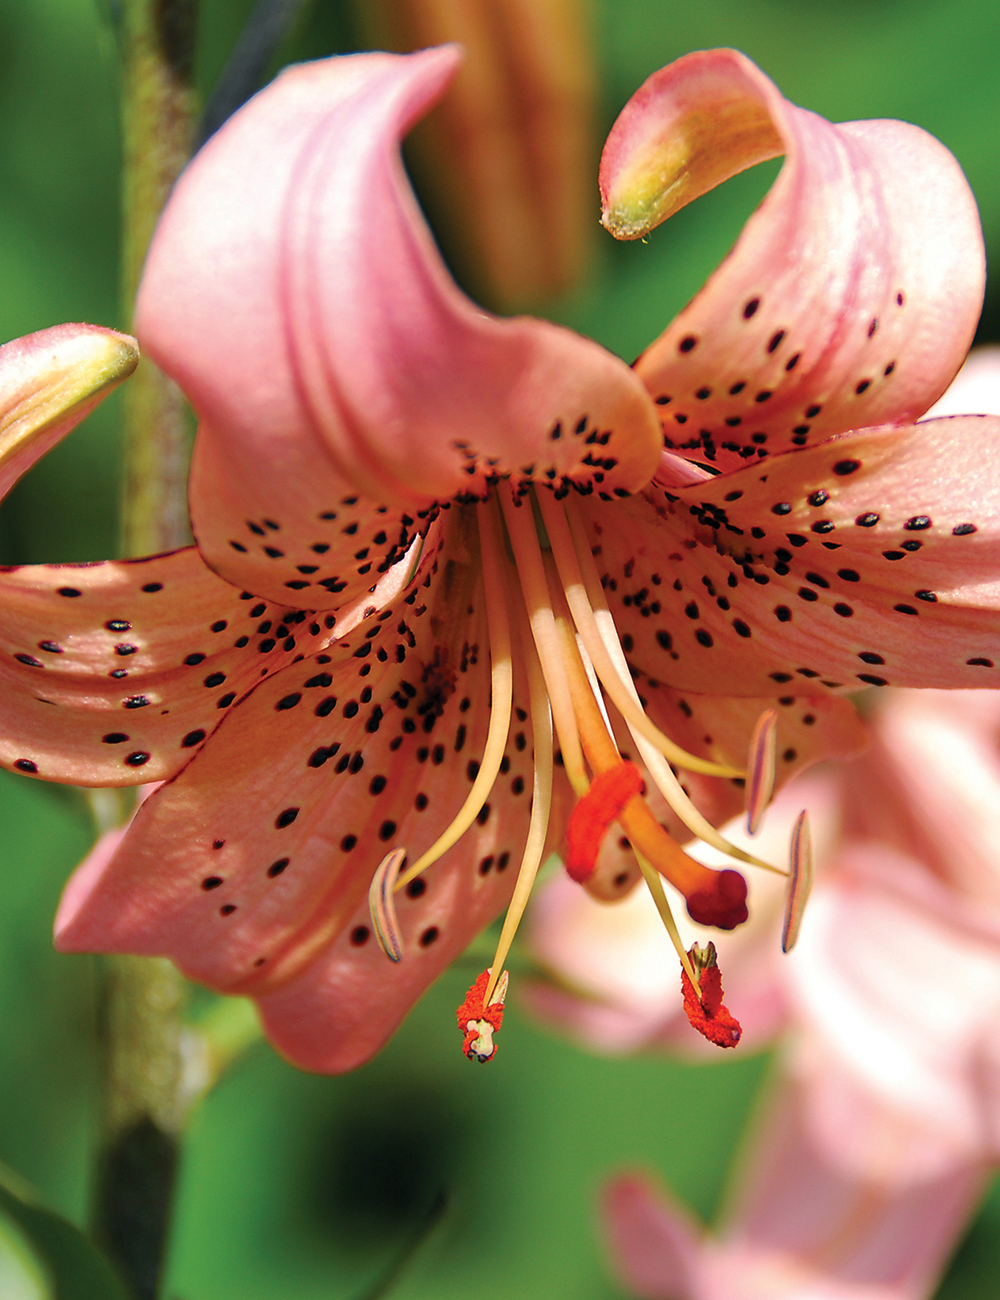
(571, 579)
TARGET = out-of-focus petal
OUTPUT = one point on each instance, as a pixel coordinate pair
(654, 1239)
(354, 362)
(852, 295)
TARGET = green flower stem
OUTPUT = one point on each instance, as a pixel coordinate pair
(145, 1089)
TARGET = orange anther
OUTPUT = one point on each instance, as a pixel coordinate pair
(708, 1014)
(600, 806)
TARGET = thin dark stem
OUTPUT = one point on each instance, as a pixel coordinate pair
(144, 1104)
(269, 23)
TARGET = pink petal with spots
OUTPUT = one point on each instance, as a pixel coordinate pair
(49, 381)
(870, 559)
(114, 673)
(251, 868)
(850, 298)
(295, 293)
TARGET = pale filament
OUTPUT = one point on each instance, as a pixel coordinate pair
(567, 563)
(659, 770)
(655, 886)
(531, 574)
(541, 806)
(502, 688)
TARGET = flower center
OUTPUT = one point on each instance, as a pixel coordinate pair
(545, 603)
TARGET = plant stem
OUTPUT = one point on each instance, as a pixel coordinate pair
(144, 1087)
(158, 122)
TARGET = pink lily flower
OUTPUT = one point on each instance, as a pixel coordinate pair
(881, 1132)
(746, 518)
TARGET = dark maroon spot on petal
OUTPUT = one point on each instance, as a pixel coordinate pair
(321, 679)
(227, 909)
(290, 701)
(750, 307)
(387, 830)
(276, 868)
(153, 586)
(192, 738)
(889, 368)
(763, 395)
(737, 388)
(430, 934)
(980, 663)
(118, 625)
(215, 679)
(963, 530)
(904, 609)
(823, 526)
(929, 596)
(483, 815)
(664, 640)
(69, 591)
(870, 657)
(685, 345)
(862, 386)
(416, 888)
(220, 625)
(258, 610)
(899, 299)
(28, 660)
(114, 738)
(849, 575)
(812, 412)
(211, 882)
(348, 843)
(286, 818)
(703, 393)
(704, 638)
(873, 326)
(782, 508)
(845, 611)
(783, 613)
(807, 593)
(193, 659)
(326, 707)
(485, 865)
(137, 759)
(502, 861)
(224, 701)
(816, 580)
(360, 936)
(917, 523)
(793, 362)
(135, 702)
(26, 765)
(844, 467)
(790, 755)
(819, 498)
(237, 546)
(775, 342)
(741, 628)
(872, 680)
(51, 647)
(868, 520)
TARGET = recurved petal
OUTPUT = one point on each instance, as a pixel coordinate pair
(655, 1241)
(251, 869)
(48, 382)
(295, 293)
(114, 673)
(868, 560)
(853, 292)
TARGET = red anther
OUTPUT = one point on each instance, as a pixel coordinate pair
(723, 903)
(708, 1014)
(479, 1022)
(600, 806)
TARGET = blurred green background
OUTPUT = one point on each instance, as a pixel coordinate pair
(296, 1187)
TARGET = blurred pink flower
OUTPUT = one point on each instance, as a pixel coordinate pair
(362, 420)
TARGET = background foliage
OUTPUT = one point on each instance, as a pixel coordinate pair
(297, 1187)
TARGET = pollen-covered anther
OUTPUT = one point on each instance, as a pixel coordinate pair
(603, 803)
(707, 1013)
(479, 1022)
(382, 905)
(800, 878)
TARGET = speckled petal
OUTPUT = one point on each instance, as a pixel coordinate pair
(251, 869)
(114, 673)
(853, 292)
(868, 560)
(353, 363)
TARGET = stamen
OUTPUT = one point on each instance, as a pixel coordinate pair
(541, 805)
(479, 1019)
(502, 690)
(603, 804)
(531, 574)
(706, 1011)
(583, 615)
(800, 879)
(761, 768)
(659, 770)
(659, 896)
(383, 907)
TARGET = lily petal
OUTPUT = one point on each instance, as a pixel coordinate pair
(853, 292)
(654, 1238)
(867, 560)
(355, 364)
(116, 672)
(253, 876)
